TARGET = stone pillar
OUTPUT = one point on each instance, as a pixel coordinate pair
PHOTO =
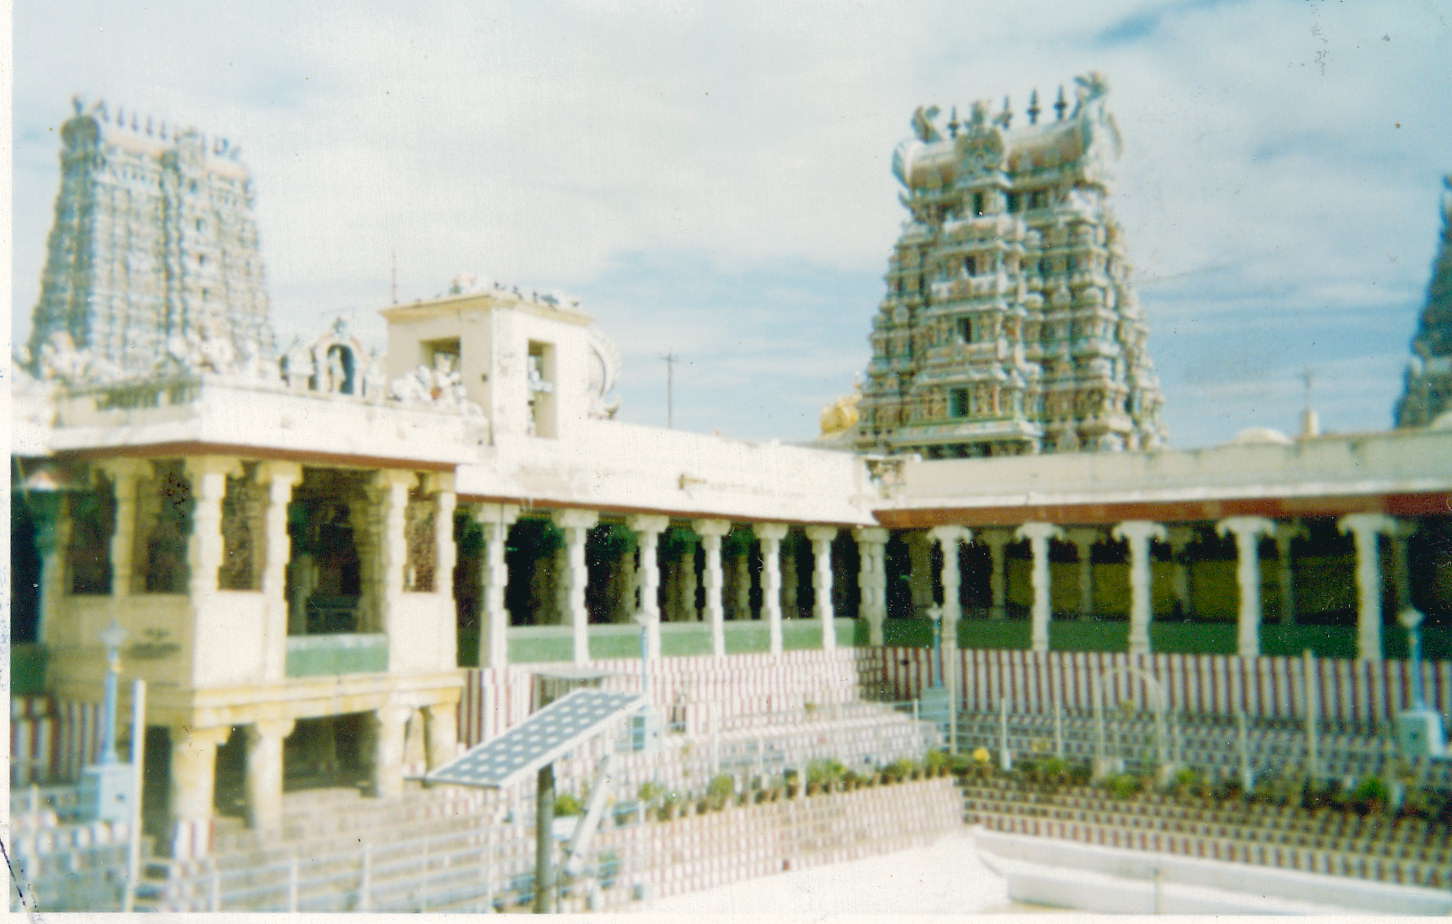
(1180, 538)
(686, 587)
(790, 581)
(711, 532)
(1365, 528)
(386, 725)
(574, 524)
(1400, 535)
(388, 496)
(1084, 538)
(949, 537)
(193, 774)
(997, 541)
(648, 530)
(1248, 531)
(495, 520)
(264, 772)
(872, 578)
(52, 521)
(770, 536)
(1038, 536)
(126, 475)
(208, 477)
(1285, 533)
(741, 584)
(441, 731)
(821, 538)
(920, 571)
(1138, 534)
(279, 478)
(446, 554)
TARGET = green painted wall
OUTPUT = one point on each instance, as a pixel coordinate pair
(557, 645)
(914, 633)
(747, 637)
(27, 668)
(611, 645)
(685, 639)
(800, 634)
(347, 655)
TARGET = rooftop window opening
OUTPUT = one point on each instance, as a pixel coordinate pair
(958, 405)
(542, 412)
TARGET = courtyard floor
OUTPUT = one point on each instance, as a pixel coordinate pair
(944, 878)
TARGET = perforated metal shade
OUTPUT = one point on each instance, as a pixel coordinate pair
(555, 730)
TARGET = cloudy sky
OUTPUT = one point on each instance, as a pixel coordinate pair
(713, 180)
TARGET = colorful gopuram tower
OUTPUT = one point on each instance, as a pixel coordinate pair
(1427, 392)
(1009, 325)
(154, 238)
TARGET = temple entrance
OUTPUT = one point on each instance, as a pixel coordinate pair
(324, 578)
(329, 751)
(156, 783)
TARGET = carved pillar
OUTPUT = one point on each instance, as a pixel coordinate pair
(126, 475)
(193, 775)
(686, 586)
(648, 530)
(1181, 577)
(1038, 536)
(920, 571)
(575, 524)
(790, 581)
(494, 520)
(872, 578)
(264, 772)
(711, 532)
(821, 538)
(1400, 535)
(446, 555)
(1248, 531)
(52, 521)
(1285, 533)
(386, 725)
(208, 477)
(741, 584)
(388, 498)
(1138, 534)
(997, 541)
(278, 478)
(949, 537)
(1084, 539)
(770, 535)
(1365, 530)
(441, 730)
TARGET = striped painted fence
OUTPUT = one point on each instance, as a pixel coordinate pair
(1367, 692)
(695, 690)
(51, 739)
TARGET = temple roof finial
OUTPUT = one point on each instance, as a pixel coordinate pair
(1060, 104)
(953, 124)
(1033, 107)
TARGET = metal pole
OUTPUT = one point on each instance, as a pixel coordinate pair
(1004, 763)
(138, 760)
(1312, 708)
(544, 840)
(1242, 743)
(292, 884)
(1059, 728)
(364, 884)
(214, 890)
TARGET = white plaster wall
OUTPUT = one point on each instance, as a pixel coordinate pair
(236, 415)
(611, 464)
(229, 644)
(421, 636)
(1406, 460)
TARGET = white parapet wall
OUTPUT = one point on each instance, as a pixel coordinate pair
(1109, 880)
(1401, 461)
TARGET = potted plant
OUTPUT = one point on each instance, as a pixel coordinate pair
(721, 788)
(936, 763)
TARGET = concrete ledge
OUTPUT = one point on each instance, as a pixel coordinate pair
(1090, 877)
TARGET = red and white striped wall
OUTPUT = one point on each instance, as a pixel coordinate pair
(50, 739)
(1266, 687)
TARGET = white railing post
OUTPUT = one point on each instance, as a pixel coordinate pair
(292, 883)
(1308, 670)
(1005, 763)
(363, 884)
(1059, 728)
(214, 886)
